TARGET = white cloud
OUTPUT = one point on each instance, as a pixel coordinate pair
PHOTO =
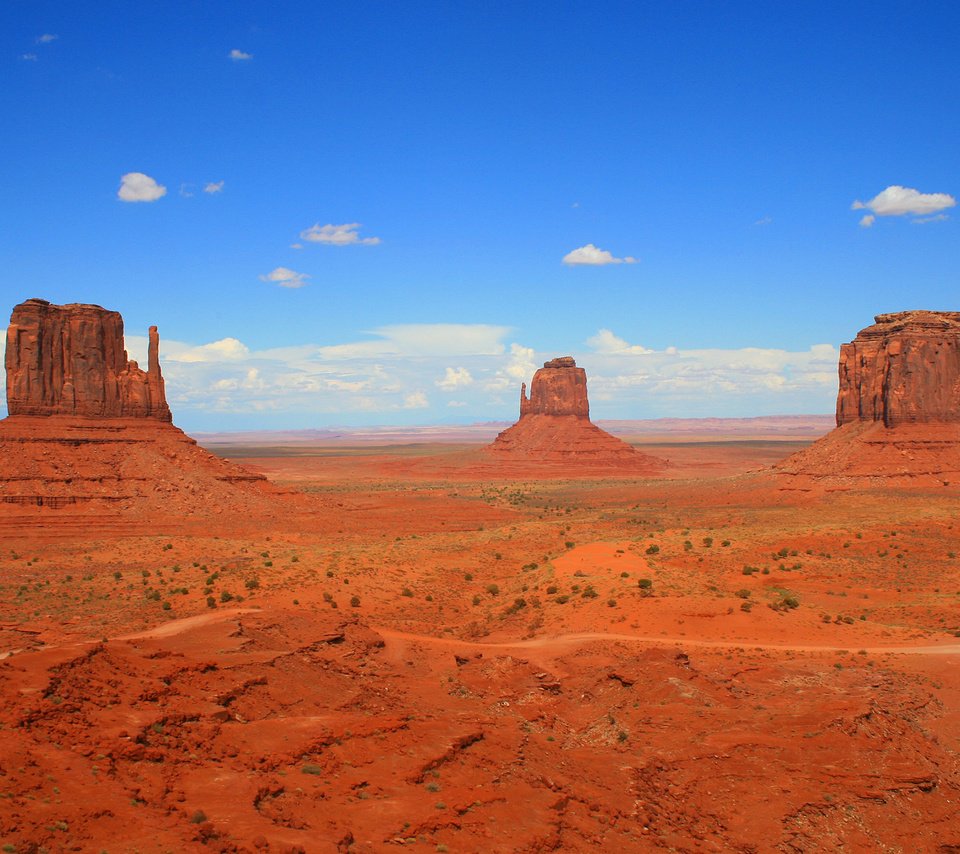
(296, 246)
(186, 190)
(226, 349)
(606, 342)
(867, 220)
(416, 400)
(766, 220)
(455, 378)
(337, 235)
(897, 201)
(213, 187)
(285, 277)
(46, 38)
(940, 217)
(239, 55)
(386, 379)
(590, 255)
(137, 187)
(29, 57)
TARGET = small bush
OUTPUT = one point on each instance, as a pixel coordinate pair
(211, 602)
(493, 589)
(354, 601)
(310, 768)
(652, 550)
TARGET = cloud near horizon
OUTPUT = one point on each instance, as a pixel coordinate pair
(137, 187)
(337, 235)
(593, 256)
(383, 378)
(896, 200)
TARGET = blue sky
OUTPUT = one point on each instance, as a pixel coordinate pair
(715, 149)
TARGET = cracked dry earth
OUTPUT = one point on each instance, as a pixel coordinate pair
(452, 720)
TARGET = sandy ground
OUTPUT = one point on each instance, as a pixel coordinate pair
(426, 653)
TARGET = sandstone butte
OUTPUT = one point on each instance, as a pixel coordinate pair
(555, 428)
(898, 405)
(89, 430)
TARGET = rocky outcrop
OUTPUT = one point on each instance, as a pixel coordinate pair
(89, 436)
(898, 408)
(555, 430)
(904, 369)
(558, 388)
(70, 360)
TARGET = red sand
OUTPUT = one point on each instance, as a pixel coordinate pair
(702, 659)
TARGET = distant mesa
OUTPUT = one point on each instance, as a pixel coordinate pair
(555, 427)
(88, 428)
(898, 405)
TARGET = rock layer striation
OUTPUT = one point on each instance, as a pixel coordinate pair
(89, 432)
(70, 360)
(898, 406)
(904, 369)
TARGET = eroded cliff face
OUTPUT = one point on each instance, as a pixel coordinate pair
(558, 388)
(69, 360)
(904, 369)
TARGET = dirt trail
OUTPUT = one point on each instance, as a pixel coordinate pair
(560, 641)
(548, 643)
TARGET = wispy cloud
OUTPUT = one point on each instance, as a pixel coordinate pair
(606, 342)
(593, 256)
(902, 201)
(29, 57)
(416, 400)
(212, 187)
(454, 378)
(867, 220)
(239, 55)
(137, 187)
(46, 38)
(337, 235)
(285, 277)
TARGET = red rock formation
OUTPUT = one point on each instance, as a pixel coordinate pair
(555, 427)
(898, 406)
(558, 388)
(89, 432)
(903, 369)
(69, 360)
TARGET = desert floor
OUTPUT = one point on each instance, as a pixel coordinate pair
(420, 654)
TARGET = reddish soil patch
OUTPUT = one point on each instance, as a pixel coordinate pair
(423, 652)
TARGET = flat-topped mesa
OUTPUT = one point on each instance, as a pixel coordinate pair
(69, 360)
(558, 388)
(904, 369)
